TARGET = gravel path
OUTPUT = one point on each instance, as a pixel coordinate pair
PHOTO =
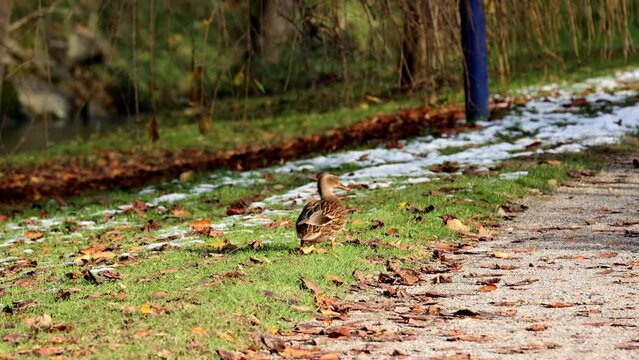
(566, 286)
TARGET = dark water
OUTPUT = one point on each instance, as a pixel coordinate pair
(36, 134)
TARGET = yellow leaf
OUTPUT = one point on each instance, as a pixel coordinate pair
(312, 249)
(198, 330)
(501, 255)
(403, 205)
(146, 309)
(226, 335)
(218, 244)
(357, 222)
(104, 255)
(328, 312)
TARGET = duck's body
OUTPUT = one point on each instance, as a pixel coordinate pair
(322, 219)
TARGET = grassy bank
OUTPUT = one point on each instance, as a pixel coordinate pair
(275, 120)
(191, 299)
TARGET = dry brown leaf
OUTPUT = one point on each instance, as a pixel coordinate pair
(32, 235)
(558, 305)
(180, 212)
(311, 286)
(159, 294)
(392, 232)
(41, 322)
(334, 279)
(537, 327)
(456, 225)
(50, 351)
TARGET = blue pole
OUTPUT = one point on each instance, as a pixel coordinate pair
(473, 27)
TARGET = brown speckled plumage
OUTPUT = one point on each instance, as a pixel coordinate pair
(322, 219)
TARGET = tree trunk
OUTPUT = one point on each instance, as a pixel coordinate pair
(276, 28)
(414, 55)
(5, 22)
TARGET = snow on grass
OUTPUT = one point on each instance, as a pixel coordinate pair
(549, 121)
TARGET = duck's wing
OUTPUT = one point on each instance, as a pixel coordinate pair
(315, 214)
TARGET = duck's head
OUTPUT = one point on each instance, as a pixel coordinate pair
(327, 182)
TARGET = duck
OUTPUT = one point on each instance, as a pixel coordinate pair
(324, 218)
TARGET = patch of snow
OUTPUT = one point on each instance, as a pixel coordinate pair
(169, 198)
(148, 190)
(417, 180)
(513, 175)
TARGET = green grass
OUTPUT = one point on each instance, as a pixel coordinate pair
(107, 319)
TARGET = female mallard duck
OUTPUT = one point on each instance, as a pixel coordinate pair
(325, 218)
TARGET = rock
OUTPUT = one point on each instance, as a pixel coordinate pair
(39, 97)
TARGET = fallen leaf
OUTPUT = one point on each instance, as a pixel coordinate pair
(447, 167)
(456, 225)
(408, 276)
(578, 102)
(159, 294)
(487, 288)
(537, 327)
(334, 279)
(146, 309)
(226, 336)
(32, 235)
(50, 351)
(230, 355)
(553, 162)
(200, 225)
(376, 224)
(558, 305)
(311, 286)
(392, 232)
(279, 224)
(306, 250)
(402, 204)
(500, 255)
(60, 340)
(41, 322)
(198, 330)
(470, 338)
(180, 212)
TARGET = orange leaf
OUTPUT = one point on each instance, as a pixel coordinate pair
(200, 225)
(198, 330)
(488, 288)
(32, 235)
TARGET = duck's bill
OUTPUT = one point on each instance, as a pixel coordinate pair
(344, 187)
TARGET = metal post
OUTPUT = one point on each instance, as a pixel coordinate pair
(473, 29)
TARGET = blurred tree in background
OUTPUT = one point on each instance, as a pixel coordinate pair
(89, 58)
